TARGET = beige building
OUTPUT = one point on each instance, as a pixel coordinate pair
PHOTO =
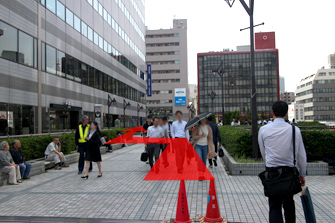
(167, 53)
(288, 97)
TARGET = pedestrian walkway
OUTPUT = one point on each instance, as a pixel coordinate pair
(122, 194)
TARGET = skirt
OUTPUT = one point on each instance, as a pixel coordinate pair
(93, 155)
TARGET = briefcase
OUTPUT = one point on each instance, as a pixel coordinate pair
(144, 156)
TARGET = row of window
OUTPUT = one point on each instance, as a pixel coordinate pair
(317, 99)
(74, 21)
(161, 110)
(323, 74)
(162, 44)
(305, 93)
(320, 108)
(164, 62)
(164, 53)
(320, 117)
(163, 35)
(159, 102)
(325, 82)
(63, 65)
(166, 81)
(316, 90)
(165, 71)
(162, 92)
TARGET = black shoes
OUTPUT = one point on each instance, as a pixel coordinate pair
(210, 166)
(65, 165)
(100, 175)
(26, 178)
(58, 167)
(80, 172)
(215, 163)
(85, 177)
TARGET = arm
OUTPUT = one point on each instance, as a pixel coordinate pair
(4, 160)
(14, 156)
(261, 143)
(301, 154)
(95, 138)
(172, 131)
(187, 134)
(148, 135)
(195, 133)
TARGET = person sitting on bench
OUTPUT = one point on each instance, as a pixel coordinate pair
(103, 143)
(53, 152)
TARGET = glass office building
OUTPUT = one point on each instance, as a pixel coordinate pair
(237, 81)
(60, 58)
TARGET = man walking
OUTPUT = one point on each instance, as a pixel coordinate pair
(276, 146)
(154, 131)
(216, 138)
(178, 131)
(82, 145)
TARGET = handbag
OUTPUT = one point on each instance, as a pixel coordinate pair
(281, 181)
(221, 153)
(144, 156)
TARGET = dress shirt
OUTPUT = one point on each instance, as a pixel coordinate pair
(165, 130)
(51, 147)
(103, 140)
(155, 132)
(275, 143)
(178, 130)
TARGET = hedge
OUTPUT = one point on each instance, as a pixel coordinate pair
(34, 147)
(319, 144)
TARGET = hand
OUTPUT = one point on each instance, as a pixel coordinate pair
(77, 148)
(302, 181)
(203, 135)
(87, 138)
(59, 144)
(60, 156)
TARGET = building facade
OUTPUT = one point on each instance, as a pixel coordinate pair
(282, 84)
(317, 94)
(61, 58)
(288, 97)
(166, 51)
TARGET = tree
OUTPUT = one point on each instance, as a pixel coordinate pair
(214, 118)
(263, 116)
(248, 113)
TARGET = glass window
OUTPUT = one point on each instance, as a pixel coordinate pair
(51, 59)
(61, 62)
(113, 24)
(105, 15)
(60, 10)
(101, 42)
(69, 17)
(177, 62)
(8, 42)
(76, 23)
(83, 73)
(100, 9)
(90, 2)
(105, 46)
(109, 19)
(35, 53)
(43, 2)
(83, 28)
(51, 5)
(96, 39)
(176, 34)
(90, 33)
(109, 49)
(26, 49)
(43, 56)
(95, 5)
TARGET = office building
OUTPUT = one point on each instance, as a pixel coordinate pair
(317, 94)
(288, 97)
(237, 80)
(167, 53)
(282, 84)
(61, 59)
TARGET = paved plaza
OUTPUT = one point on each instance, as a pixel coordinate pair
(121, 194)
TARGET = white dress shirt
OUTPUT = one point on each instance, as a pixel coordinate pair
(178, 130)
(50, 149)
(276, 145)
(165, 130)
(155, 132)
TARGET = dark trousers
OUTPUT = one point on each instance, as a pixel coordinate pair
(276, 204)
(153, 149)
(109, 147)
(82, 149)
(216, 150)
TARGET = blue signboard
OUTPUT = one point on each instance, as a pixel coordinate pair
(149, 81)
(180, 100)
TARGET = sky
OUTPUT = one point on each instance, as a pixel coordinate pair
(305, 33)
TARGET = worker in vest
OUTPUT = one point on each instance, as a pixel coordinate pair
(82, 145)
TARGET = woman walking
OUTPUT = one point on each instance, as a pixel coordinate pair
(203, 145)
(93, 152)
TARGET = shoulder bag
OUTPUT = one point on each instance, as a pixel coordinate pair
(281, 181)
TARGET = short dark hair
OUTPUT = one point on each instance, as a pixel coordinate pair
(164, 119)
(280, 109)
(153, 119)
(149, 116)
(179, 112)
(210, 118)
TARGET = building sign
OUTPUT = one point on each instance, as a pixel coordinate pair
(149, 81)
(10, 121)
(180, 96)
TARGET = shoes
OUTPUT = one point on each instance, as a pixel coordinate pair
(210, 166)
(19, 181)
(65, 165)
(26, 178)
(58, 167)
(85, 177)
(13, 184)
(80, 172)
(100, 175)
(215, 163)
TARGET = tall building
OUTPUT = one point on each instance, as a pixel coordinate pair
(317, 94)
(61, 59)
(288, 97)
(331, 61)
(282, 84)
(167, 53)
(237, 80)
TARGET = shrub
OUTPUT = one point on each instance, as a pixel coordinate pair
(308, 124)
(34, 147)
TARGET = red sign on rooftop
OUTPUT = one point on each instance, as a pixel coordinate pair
(265, 40)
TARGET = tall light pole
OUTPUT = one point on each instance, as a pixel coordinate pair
(110, 103)
(250, 10)
(220, 72)
(212, 95)
(125, 105)
(139, 108)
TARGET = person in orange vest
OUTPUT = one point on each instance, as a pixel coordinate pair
(81, 144)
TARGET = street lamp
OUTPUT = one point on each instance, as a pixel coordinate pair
(139, 108)
(125, 105)
(110, 103)
(250, 10)
(212, 95)
(220, 72)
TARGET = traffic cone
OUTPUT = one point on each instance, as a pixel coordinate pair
(183, 215)
(213, 211)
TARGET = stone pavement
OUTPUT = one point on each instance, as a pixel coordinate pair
(122, 194)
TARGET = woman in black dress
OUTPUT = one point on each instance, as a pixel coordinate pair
(93, 152)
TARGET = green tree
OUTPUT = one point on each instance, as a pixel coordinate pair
(248, 113)
(214, 118)
(263, 116)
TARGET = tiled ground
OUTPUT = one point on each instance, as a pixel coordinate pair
(122, 194)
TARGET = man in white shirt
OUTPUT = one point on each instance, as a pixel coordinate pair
(233, 122)
(53, 152)
(154, 131)
(276, 146)
(178, 131)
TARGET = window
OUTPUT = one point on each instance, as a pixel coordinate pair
(51, 5)
(89, 33)
(61, 61)
(8, 42)
(176, 52)
(105, 46)
(90, 2)
(43, 2)
(96, 39)
(26, 49)
(100, 9)
(76, 23)
(176, 43)
(322, 74)
(69, 17)
(101, 42)
(84, 29)
(60, 10)
(109, 19)
(95, 5)
(176, 35)
(177, 61)
(105, 15)
(109, 49)
(331, 73)
(51, 59)
(35, 53)
(43, 56)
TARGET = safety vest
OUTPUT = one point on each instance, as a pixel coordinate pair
(82, 134)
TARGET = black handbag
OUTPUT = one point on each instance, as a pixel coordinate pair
(144, 156)
(281, 181)
(221, 153)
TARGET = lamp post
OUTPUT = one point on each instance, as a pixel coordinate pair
(139, 108)
(250, 10)
(110, 103)
(220, 72)
(212, 95)
(125, 105)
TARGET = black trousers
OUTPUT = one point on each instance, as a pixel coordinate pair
(82, 149)
(276, 204)
(216, 150)
(153, 149)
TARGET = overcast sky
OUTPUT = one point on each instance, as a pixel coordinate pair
(305, 33)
